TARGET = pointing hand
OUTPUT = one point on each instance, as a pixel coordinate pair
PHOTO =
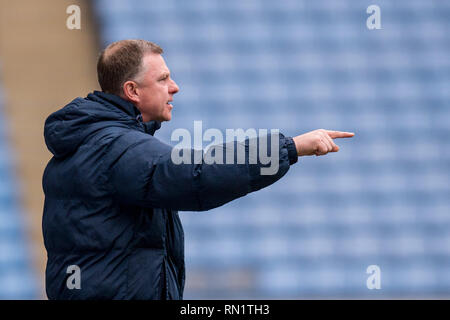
(319, 142)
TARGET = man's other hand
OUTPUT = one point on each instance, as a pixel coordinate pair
(319, 142)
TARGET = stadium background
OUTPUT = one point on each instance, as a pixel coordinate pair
(383, 200)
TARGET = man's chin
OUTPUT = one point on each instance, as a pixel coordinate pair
(167, 116)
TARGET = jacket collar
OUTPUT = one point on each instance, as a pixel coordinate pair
(151, 126)
(129, 108)
(118, 102)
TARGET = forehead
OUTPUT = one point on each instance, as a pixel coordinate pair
(155, 64)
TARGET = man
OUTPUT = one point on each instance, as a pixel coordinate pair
(112, 192)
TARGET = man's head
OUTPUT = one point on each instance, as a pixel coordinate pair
(136, 71)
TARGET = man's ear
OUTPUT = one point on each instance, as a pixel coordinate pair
(130, 91)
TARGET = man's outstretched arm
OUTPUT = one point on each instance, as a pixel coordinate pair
(145, 175)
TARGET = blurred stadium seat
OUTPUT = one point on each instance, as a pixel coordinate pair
(384, 199)
(17, 278)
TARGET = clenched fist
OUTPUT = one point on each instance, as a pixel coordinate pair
(319, 142)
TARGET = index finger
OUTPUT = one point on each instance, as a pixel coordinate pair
(339, 134)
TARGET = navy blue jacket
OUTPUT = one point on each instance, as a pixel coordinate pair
(112, 196)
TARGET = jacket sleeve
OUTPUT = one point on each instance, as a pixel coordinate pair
(143, 173)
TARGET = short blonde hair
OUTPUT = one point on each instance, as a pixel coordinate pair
(122, 61)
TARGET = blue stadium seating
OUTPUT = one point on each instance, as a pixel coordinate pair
(383, 200)
(17, 277)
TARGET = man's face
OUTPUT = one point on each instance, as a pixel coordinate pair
(155, 89)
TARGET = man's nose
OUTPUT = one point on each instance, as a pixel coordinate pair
(174, 88)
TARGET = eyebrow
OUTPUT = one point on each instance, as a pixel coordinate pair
(165, 74)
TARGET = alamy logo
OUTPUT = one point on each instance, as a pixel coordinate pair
(374, 20)
(216, 151)
(74, 280)
(74, 20)
(374, 280)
